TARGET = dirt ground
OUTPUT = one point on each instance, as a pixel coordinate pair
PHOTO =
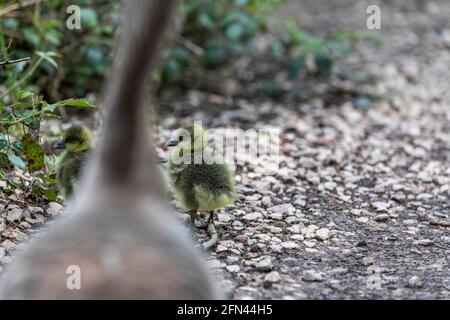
(359, 208)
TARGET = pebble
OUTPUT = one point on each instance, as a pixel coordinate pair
(310, 231)
(323, 234)
(290, 245)
(381, 217)
(272, 277)
(225, 217)
(362, 219)
(415, 282)
(263, 264)
(233, 268)
(214, 264)
(312, 276)
(424, 242)
(281, 210)
(54, 208)
(8, 245)
(367, 261)
(14, 215)
(380, 206)
(252, 216)
(241, 238)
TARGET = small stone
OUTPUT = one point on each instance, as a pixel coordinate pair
(415, 282)
(253, 197)
(289, 245)
(367, 261)
(233, 268)
(241, 238)
(380, 206)
(272, 277)
(323, 234)
(381, 217)
(362, 220)
(424, 242)
(280, 210)
(409, 222)
(225, 217)
(252, 216)
(214, 264)
(309, 243)
(330, 186)
(2, 226)
(312, 276)
(238, 226)
(310, 231)
(296, 228)
(264, 264)
(36, 210)
(8, 245)
(14, 215)
(266, 201)
(54, 208)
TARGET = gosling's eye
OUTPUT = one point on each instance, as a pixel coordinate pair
(180, 138)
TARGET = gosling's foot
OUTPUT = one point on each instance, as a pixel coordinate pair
(196, 230)
(214, 238)
(202, 224)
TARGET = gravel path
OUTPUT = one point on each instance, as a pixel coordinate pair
(360, 205)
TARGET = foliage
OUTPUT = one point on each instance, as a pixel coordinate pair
(213, 32)
(20, 125)
(74, 59)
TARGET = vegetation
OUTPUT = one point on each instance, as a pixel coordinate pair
(42, 60)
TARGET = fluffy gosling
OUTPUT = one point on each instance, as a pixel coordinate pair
(199, 184)
(77, 145)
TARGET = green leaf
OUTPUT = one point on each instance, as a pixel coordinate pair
(50, 107)
(82, 103)
(34, 153)
(21, 105)
(214, 57)
(50, 194)
(31, 36)
(24, 94)
(294, 66)
(89, 18)
(3, 144)
(17, 161)
(4, 161)
(234, 32)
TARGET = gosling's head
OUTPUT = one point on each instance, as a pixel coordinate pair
(76, 139)
(189, 137)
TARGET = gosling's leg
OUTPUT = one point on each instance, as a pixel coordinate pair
(212, 231)
(197, 223)
(211, 218)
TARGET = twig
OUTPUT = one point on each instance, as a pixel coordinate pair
(12, 7)
(191, 46)
(14, 61)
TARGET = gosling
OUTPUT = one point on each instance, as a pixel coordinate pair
(199, 182)
(77, 145)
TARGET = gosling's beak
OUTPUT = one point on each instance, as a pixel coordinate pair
(172, 143)
(60, 145)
